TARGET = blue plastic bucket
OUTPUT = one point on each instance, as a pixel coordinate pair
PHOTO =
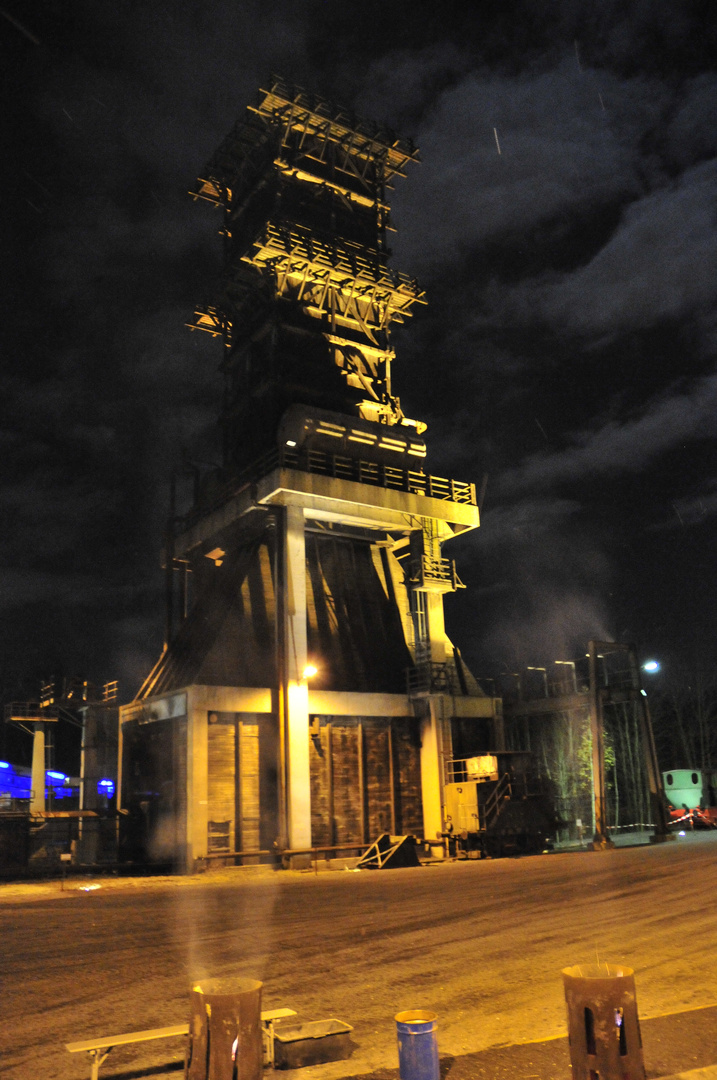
(417, 1046)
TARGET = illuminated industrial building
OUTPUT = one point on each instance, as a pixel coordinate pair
(318, 543)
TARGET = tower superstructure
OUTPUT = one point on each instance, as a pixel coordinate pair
(308, 298)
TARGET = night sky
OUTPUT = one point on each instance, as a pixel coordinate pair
(567, 353)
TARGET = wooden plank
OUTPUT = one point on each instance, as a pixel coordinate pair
(276, 1014)
(221, 780)
(158, 1033)
(249, 784)
(128, 1037)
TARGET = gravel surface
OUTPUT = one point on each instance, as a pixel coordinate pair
(480, 943)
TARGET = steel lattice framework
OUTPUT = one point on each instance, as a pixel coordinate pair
(307, 297)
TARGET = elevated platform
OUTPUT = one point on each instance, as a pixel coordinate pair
(336, 489)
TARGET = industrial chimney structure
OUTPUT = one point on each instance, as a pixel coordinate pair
(307, 692)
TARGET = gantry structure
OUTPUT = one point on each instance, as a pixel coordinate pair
(306, 693)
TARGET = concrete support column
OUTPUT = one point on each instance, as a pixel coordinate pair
(436, 627)
(197, 780)
(297, 720)
(432, 771)
(37, 780)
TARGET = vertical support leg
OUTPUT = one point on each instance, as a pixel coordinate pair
(297, 719)
(432, 773)
(37, 806)
(647, 739)
(600, 836)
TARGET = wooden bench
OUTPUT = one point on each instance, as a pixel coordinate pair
(98, 1049)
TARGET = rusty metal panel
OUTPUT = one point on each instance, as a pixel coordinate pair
(346, 791)
(321, 774)
(347, 798)
(407, 758)
(378, 781)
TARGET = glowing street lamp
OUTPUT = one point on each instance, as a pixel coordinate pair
(651, 667)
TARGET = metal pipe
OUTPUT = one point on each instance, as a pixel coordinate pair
(296, 851)
(330, 780)
(361, 781)
(317, 850)
(598, 756)
(236, 854)
(654, 776)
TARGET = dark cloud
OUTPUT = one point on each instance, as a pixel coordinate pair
(615, 447)
(568, 350)
(661, 263)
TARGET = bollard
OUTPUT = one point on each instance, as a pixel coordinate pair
(225, 1040)
(417, 1046)
(603, 1025)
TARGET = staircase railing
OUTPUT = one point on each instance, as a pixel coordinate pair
(496, 800)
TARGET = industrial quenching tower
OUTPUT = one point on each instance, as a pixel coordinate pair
(319, 540)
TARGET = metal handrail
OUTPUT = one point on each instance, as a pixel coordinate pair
(431, 677)
(493, 804)
(323, 463)
(31, 711)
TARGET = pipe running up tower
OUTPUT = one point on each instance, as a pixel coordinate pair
(319, 540)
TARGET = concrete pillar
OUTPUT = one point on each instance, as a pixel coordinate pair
(297, 721)
(432, 771)
(436, 627)
(37, 780)
(197, 778)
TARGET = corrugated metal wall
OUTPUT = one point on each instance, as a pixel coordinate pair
(365, 779)
(241, 782)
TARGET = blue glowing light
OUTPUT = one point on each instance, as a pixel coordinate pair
(56, 775)
(106, 787)
(651, 666)
(4, 765)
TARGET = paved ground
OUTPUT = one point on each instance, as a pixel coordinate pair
(480, 943)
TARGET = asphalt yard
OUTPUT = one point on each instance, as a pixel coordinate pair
(481, 944)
